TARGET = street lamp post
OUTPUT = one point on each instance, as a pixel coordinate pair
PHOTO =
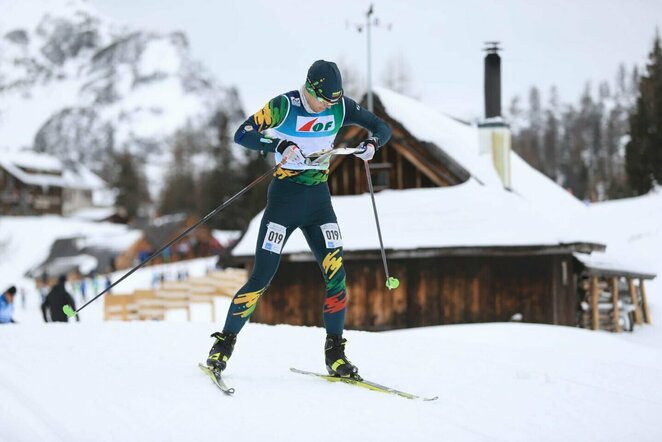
(368, 27)
(369, 23)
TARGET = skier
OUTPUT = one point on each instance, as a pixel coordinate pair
(293, 125)
(7, 305)
(57, 298)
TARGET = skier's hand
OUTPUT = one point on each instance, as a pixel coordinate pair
(291, 153)
(368, 147)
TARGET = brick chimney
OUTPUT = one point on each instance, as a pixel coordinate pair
(494, 132)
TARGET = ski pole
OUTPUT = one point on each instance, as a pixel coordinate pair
(70, 312)
(391, 282)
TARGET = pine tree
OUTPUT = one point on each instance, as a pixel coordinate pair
(528, 142)
(179, 192)
(223, 179)
(551, 135)
(132, 193)
(644, 151)
(229, 174)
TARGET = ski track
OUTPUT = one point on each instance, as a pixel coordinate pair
(23, 415)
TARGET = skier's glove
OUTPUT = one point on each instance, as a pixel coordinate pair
(368, 149)
(291, 152)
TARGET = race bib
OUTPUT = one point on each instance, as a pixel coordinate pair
(331, 233)
(275, 237)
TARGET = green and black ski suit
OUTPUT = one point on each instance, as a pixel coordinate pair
(298, 197)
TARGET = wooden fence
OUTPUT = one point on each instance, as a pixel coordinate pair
(613, 303)
(174, 295)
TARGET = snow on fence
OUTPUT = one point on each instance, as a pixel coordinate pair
(174, 295)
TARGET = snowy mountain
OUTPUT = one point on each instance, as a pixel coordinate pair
(78, 86)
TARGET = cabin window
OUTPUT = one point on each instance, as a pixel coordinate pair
(380, 173)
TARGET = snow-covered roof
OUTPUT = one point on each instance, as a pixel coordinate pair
(456, 139)
(33, 160)
(39, 169)
(83, 178)
(466, 215)
(620, 264)
(631, 229)
(93, 213)
(33, 168)
(461, 142)
(226, 238)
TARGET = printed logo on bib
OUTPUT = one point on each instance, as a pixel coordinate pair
(331, 233)
(275, 237)
(315, 124)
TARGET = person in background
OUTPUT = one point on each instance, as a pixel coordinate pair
(23, 298)
(83, 287)
(56, 299)
(95, 283)
(7, 305)
(43, 287)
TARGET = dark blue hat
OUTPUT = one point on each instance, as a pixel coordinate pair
(324, 81)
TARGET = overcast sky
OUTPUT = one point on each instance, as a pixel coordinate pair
(264, 47)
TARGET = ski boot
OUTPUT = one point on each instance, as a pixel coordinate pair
(221, 351)
(337, 363)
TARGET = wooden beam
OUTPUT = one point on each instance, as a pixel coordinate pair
(423, 167)
(635, 301)
(358, 182)
(399, 172)
(644, 302)
(595, 294)
(345, 179)
(614, 300)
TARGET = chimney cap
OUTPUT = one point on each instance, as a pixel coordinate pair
(492, 47)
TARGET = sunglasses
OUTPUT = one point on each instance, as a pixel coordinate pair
(317, 93)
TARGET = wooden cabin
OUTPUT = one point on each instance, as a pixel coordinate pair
(38, 184)
(198, 243)
(30, 184)
(482, 286)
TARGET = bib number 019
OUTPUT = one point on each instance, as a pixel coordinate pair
(332, 236)
(274, 238)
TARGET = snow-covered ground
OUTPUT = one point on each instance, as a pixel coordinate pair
(506, 382)
(139, 381)
(110, 381)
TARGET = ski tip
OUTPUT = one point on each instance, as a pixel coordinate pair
(70, 312)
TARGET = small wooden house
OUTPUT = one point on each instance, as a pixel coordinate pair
(30, 184)
(199, 243)
(472, 231)
(34, 184)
